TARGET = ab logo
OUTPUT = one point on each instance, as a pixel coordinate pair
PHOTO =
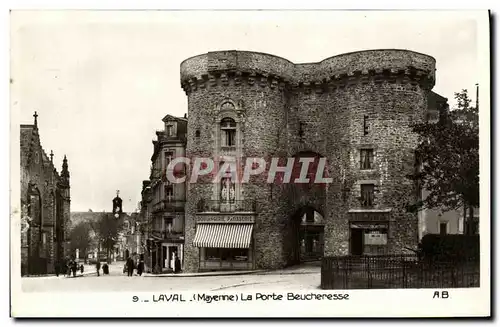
(442, 295)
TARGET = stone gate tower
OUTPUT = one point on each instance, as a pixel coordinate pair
(353, 109)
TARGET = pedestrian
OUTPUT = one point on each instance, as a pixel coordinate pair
(98, 267)
(81, 269)
(130, 266)
(177, 264)
(105, 269)
(57, 268)
(74, 267)
(140, 268)
(68, 268)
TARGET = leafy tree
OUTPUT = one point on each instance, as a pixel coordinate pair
(107, 228)
(448, 157)
(80, 239)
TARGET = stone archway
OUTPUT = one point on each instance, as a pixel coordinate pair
(306, 206)
(306, 235)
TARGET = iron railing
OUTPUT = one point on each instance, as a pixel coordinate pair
(169, 205)
(397, 271)
(226, 206)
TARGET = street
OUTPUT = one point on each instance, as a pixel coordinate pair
(295, 278)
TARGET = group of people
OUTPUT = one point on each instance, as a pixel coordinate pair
(70, 267)
(105, 268)
(130, 266)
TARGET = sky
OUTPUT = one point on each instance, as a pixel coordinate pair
(102, 81)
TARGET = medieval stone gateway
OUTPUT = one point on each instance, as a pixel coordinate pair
(354, 109)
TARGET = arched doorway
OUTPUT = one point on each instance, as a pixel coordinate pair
(307, 235)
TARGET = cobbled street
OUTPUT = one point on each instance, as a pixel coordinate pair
(294, 278)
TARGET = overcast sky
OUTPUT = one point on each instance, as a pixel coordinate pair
(102, 81)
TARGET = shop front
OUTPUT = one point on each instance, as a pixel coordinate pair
(224, 246)
(368, 238)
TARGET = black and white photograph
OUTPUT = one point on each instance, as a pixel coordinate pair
(184, 163)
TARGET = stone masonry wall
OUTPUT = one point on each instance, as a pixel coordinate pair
(285, 109)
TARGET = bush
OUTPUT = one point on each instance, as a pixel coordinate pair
(450, 247)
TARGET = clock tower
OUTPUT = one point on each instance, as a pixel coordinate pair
(117, 206)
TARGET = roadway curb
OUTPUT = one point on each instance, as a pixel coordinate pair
(229, 273)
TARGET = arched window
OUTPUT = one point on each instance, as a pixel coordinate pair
(35, 205)
(228, 132)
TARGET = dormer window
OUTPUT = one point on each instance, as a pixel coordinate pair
(228, 132)
(169, 129)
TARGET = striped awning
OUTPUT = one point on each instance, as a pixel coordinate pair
(235, 236)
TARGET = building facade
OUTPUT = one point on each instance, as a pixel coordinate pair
(45, 203)
(437, 221)
(353, 109)
(163, 202)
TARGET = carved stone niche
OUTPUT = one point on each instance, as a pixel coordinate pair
(227, 106)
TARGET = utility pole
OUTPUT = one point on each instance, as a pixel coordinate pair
(477, 96)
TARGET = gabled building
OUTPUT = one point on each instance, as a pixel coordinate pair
(45, 203)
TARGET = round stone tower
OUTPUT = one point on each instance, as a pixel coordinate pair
(354, 110)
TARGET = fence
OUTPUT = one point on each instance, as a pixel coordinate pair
(396, 271)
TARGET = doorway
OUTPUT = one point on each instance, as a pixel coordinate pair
(171, 251)
(356, 243)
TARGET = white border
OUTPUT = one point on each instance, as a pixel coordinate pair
(374, 303)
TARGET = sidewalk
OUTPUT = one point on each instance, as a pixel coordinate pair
(294, 270)
(206, 274)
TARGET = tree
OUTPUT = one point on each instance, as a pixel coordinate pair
(80, 238)
(107, 228)
(448, 159)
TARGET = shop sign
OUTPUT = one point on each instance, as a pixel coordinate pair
(226, 219)
(375, 238)
(370, 225)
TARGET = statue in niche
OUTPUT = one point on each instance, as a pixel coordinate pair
(224, 193)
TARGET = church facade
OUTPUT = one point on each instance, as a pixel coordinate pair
(45, 206)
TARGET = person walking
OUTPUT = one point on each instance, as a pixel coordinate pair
(98, 267)
(57, 268)
(68, 268)
(130, 266)
(74, 267)
(140, 268)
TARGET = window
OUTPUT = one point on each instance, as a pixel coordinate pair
(239, 254)
(217, 254)
(197, 133)
(226, 190)
(443, 228)
(169, 190)
(367, 195)
(168, 225)
(168, 158)
(228, 132)
(366, 158)
(169, 130)
(212, 254)
(365, 125)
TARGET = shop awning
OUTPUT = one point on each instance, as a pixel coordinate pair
(235, 236)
